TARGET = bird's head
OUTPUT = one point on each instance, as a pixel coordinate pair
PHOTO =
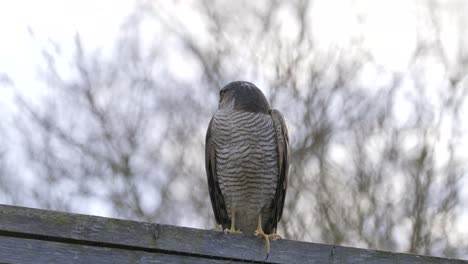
(243, 96)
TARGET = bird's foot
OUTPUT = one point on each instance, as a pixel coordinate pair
(259, 232)
(232, 231)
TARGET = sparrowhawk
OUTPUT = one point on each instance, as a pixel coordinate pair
(247, 162)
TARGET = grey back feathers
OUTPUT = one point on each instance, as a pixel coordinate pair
(247, 159)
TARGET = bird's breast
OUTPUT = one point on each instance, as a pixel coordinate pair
(246, 159)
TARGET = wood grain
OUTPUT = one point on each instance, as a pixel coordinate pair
(45, 230)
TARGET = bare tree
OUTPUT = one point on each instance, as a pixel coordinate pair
(5, 184)
(10, 188)
(127, 131)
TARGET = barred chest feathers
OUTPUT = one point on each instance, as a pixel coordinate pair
(247, 163)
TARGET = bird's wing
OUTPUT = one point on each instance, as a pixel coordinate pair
(282, 139)
(217, 200)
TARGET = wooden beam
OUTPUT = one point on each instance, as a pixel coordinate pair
(28, 234)
(15, 250)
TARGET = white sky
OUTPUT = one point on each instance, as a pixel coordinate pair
(97, 22)
(391, 40)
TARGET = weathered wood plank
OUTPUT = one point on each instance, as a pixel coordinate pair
(58, 225)
(75, 228)
(18, 250)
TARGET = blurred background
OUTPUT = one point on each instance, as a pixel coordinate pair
(104, 107)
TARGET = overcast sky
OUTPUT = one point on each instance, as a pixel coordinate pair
(26, 26)
(98, 22)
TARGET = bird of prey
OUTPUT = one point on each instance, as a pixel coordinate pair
(247, 162)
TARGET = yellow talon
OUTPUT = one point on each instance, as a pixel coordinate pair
(259, 232)
(233, 229)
